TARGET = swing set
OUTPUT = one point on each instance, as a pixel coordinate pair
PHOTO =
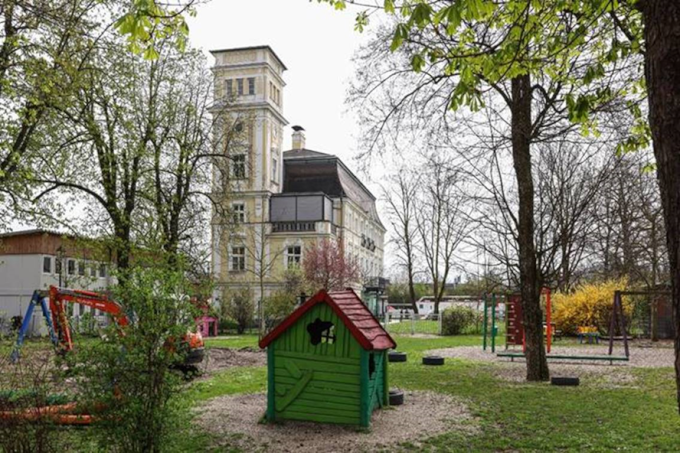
(515, 335)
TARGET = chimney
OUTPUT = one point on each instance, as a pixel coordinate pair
(298, 137)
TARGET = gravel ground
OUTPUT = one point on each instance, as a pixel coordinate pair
(218, 359)
(235, 421)
(598, 372)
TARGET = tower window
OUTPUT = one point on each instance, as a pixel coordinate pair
(230, 87)
(239, 85)
(293, 256)
(238, 258)
(275, 170)
(239, 212)
(239, 166)
(251, 85)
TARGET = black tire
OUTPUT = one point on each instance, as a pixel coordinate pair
(565, 381)
(433, 360)
(395, 356)
(396, 397)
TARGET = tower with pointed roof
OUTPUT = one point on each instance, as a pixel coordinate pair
(279, 201)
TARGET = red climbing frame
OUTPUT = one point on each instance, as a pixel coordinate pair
(514, 329)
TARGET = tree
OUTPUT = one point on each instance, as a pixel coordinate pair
(442, 223)
(507, 47)
(662, 73)
(136, 147)
(263, 259)
(239, 306)
(401, 212)
(44, 52)
(326, 266)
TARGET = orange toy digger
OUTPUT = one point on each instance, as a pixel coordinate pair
(60, 332)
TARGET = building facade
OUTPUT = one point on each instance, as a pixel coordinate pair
(36, 259)
(279, 201)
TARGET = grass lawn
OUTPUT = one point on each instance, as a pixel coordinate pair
(640, 416)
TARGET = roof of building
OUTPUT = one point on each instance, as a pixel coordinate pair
(358, 319)
(306, 154)
(237, 49)
(331, 177)
(34, 231)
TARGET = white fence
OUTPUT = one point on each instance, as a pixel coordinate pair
(408, 323)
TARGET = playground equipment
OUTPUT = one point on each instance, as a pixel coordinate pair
(489, 328)
(514, 328)
(58, 324)
(327, 362)
(617, 319)
(60, 335)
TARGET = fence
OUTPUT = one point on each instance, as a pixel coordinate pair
(408, 323)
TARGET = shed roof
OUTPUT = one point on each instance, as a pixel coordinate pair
(364, 327)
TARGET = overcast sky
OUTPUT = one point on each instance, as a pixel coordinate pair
(315, 42)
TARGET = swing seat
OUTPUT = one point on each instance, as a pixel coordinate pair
(607, 358)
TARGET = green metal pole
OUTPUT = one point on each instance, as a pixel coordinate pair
(485, 322)
(493, 322)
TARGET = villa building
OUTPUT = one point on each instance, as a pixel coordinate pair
(280, 201)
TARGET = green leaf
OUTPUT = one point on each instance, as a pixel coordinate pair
(417, 62)
(389, 6)
(400, 34)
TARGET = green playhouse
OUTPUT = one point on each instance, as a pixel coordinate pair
(327, 362)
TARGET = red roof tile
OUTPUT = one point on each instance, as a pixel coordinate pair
(365, 328)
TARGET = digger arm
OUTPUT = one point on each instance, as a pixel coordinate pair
(60, 296)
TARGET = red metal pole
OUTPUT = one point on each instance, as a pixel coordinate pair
(548, 318)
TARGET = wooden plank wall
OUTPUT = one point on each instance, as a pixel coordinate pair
(333, 393)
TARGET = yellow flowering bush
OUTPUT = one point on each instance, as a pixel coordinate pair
(588, 308)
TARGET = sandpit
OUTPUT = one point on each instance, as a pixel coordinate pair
(218, 359)
(235, 422)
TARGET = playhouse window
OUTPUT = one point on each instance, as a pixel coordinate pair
(321, 332)
(371, 365)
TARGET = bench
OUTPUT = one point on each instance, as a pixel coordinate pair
(610, 358)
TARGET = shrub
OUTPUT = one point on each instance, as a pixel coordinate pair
(129, 376)
(30, 384)
(456, 320)
(226, 325)
(589, 305)
(240, 308)
(278, 306)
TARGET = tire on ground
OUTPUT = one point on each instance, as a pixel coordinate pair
(396, 397)
(395, 356)
(433, 360)
(567, 381)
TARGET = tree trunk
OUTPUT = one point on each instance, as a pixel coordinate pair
(532, 317)
(411, 286)
(662, 71)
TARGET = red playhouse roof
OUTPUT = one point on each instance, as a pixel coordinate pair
(351, 310)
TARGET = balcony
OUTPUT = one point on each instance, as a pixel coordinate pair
(376, 284)
(301, 212)
(287, 227)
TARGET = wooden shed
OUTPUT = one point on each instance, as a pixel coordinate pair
(327, 362)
